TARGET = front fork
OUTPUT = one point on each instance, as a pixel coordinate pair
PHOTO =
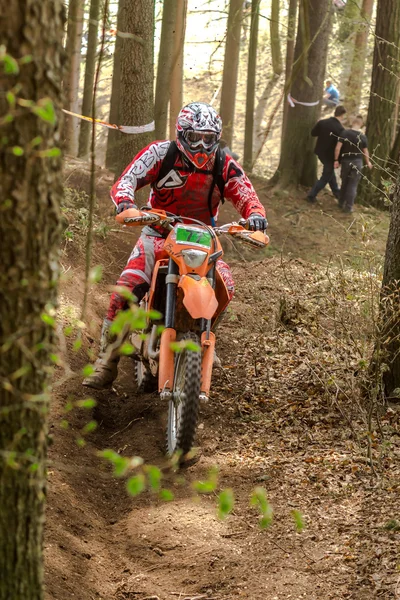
(168, 336)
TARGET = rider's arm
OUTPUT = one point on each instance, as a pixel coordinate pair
(141, 171)
(239, 190)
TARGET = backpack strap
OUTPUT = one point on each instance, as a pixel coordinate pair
(168, 160)
(217, 180)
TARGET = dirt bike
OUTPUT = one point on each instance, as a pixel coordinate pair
(187, 289)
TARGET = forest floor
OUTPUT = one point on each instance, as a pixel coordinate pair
(285, 413)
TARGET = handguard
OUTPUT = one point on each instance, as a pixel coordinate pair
(134, 216)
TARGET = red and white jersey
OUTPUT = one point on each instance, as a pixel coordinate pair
(184, 190)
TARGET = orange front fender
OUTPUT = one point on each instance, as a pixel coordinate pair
(199, 297)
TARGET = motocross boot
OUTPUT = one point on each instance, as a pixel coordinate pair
(106, 366)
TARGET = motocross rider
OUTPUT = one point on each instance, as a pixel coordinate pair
(187, 189)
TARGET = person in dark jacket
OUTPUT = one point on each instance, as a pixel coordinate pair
(350, 150)
(327, 132)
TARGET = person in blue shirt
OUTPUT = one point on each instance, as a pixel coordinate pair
(331, 96)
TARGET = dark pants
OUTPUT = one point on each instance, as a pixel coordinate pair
(351, 175)
(328, 177)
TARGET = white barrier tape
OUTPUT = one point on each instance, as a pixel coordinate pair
(293, 102)
(124, 128)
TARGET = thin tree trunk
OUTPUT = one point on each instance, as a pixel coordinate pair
(390, 302)
(31, 188)
(164, 68)
(85, 128)
(176, 91)
(137, 75)
(291, 37)
(352, 91)
(382, 104)
(349, 20)
(297, 162)
(231, 65)
(276, 53)
(259, 114)
(251, 86)
(71, 79)
(114, 138)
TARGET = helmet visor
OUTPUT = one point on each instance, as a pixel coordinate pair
(195, 139)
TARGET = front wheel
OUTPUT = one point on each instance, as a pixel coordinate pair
(184, 406)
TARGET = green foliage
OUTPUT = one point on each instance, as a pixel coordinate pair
(392, 525)
(10, 65)
(166, 495)
(298, 520)
(209, 485)
(154, 477)
(185, 345)
(259, 499)
(87, 403)
(120, 463)
(226, 501)
(96, 274)
(136, 484)
(44, 109)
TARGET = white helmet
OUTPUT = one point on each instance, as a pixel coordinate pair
(198, 131)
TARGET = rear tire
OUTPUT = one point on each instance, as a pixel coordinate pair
(183, 408)
(146, 382)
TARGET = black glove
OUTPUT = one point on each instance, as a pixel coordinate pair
(257, 222)
(124, 205)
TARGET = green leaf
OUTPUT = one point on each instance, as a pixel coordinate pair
(209, 485)
(50, 153)
(298, 520)
(89, 427)
(86, 403)
(136, 484)
(64, 424)
(77, 345)
(88, 370)
(36, 141)
(154, 476)
(10, 64)
(95, 274)
(49, 320)
(259, 498)
(127, 349)
(44, 109)
(80, 442)
(120, 463)
(226, 502)
(26, 59)
(11, 99)
(166, 495)
(17, 151)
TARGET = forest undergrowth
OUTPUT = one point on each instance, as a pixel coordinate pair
(287, 413)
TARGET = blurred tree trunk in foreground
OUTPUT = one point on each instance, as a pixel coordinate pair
(164, 68)
(390, 303)
(30, 191)
(114, 137)
(231, 65)
(251, 86)
(297, 163)
(137, 75)
(176, 91)
(73, 48)
(276, 53)
(382, 104)
(352, 90)
(90, 68)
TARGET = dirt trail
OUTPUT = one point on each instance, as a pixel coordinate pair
(266, 424)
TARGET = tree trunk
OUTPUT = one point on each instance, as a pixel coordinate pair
(382, 104)
(291, 36)
(90, 68)
(276, 54)
(251, 86)
(348, 27)
(352, 91)
(71, 77)
(390, 302)
(230, 74)
(31, 189)
(114, 138)
(164, 68)
(297, 162)
(137, 76)
(176, 91)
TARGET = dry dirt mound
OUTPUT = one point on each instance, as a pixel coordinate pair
(272, 421)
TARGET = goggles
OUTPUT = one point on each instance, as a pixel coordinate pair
(195, 139)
